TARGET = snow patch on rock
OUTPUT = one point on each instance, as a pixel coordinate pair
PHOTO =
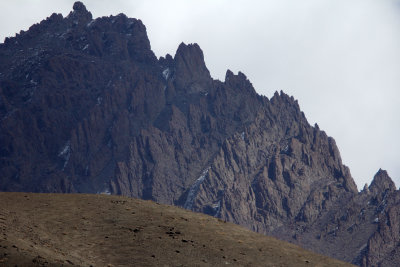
(194, 189)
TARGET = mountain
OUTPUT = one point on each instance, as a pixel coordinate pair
(86, 107)
(57, 230)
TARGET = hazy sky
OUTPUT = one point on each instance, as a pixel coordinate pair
(339, 58)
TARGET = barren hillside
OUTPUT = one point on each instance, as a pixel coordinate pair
(101, 230)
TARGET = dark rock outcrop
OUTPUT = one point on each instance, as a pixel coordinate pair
(85, 106)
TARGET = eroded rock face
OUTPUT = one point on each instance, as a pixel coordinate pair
(86, 106)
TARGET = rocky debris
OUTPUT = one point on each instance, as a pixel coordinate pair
(85, 106)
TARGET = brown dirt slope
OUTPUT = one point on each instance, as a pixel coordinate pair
(101, 230)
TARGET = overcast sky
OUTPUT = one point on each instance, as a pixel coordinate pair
(339, 58)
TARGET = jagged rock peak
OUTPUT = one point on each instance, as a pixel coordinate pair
(191, 55)
(382, 182)
(80, 12)
(229, 75)
(282, 97)
(166, 61)
(240, 81)
(365, 189)
(189, 48)
(79, 6)
(190, 65)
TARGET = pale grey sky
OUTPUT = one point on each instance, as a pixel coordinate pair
(339, 58)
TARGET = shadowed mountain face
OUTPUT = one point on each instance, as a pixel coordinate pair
(85, 106)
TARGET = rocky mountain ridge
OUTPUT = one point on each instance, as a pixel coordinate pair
(86, 106)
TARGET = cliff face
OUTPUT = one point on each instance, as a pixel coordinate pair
(86, 106)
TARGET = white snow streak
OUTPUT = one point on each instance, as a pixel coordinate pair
(104, 192)
(65, 153)
(194, 189)
(166, 73)
(90, 24)
(217, 208)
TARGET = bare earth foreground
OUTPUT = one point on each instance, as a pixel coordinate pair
(100, 230)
